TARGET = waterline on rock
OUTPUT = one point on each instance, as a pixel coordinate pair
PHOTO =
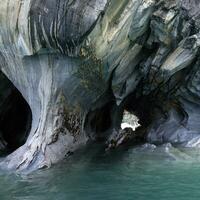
(145, 172)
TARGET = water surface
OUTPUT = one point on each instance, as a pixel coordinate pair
(142, 173)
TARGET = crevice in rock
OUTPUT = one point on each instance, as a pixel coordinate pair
(99, 122)
(15, 117)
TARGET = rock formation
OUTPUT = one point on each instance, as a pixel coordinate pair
(80, 63)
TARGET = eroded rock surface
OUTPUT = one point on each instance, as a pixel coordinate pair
(80, 63)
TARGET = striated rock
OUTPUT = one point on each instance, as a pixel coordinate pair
(120, 137)
(79, 64)
(40, 54)
(179, 125)
(127, 132)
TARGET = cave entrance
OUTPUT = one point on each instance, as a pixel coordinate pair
(15, 117)
(99, 122)
(137, 115)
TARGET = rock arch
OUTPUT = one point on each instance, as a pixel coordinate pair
(110, 51)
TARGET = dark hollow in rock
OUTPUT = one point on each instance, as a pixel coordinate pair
(99, 122)
(15, 117)
(70, 58)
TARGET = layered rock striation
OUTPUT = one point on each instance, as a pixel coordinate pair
(80, 63)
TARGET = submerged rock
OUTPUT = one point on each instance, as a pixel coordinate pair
(168, 151)
(79, 64)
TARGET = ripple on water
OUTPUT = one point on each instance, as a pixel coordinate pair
(143, 173)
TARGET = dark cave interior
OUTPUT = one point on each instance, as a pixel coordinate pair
(15, 117)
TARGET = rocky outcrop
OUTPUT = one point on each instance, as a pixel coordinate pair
(79, 64)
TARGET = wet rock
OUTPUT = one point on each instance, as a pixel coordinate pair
(69, 59)
(127, 132)
(120, 137)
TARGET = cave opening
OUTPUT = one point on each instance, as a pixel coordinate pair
(140, 109)
(99, 122)
(15, 117)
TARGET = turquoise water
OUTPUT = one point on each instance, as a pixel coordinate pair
(127, 174)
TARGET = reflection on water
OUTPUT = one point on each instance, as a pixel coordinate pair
(142, 173)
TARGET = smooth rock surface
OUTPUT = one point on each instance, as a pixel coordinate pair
(69, 59)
